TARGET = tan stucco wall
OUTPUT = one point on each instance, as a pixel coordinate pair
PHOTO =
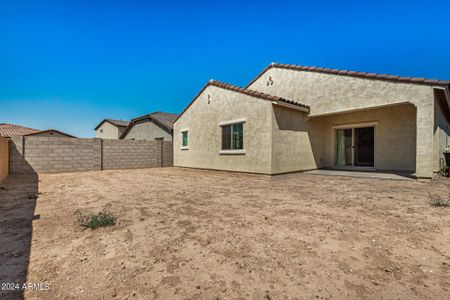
(302, 143)
(441, 137)
(4, 158)
(292, 144)
(395, 135)
(202, 119)
(327, 94)
(146, 130)
(109, 131)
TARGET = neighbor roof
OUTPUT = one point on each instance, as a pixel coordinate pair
(163, 119)
(50, 130)
(118, 123)
(244, 91)
(386, 77)
(8, 130)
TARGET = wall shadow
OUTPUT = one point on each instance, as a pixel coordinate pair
(18, 195)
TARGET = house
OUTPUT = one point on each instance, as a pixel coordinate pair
(110, 129)
(157, 125)
(294, 118)
(8, 130)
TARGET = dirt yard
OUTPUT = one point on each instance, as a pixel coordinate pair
(191, 234)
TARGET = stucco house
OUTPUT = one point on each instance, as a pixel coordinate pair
(157, 125)
(110, 129)
(295, 118)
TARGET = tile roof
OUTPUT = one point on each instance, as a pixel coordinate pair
(386, 77)
(164, 119)
(8, 130)
(255, 93)
(118, 123)
(51, 131)
(244, 91)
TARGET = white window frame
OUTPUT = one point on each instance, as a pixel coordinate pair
(230, 123)
(182, 131)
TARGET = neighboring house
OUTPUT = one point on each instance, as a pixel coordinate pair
(8, 130)
(157, 125)
(50, 133)
(294, 118)
(110, 129)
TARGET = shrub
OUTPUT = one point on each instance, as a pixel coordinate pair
(94, 221)
(439, 202)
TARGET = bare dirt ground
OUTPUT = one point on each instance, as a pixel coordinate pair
(192, 234)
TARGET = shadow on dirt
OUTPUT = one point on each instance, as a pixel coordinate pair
(18, 195)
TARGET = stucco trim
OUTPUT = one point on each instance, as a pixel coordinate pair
(231, 122)
(356, 125)
(232, 152)
(288, 105)
(359, 109)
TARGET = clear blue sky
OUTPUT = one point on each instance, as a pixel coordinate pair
(69, 65)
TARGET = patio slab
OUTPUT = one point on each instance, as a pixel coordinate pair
(363, 174)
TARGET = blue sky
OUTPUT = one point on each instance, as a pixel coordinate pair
(69, 64)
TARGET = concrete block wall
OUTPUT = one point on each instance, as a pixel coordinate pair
(57, 155)
(130, 154)
(54, 154)
(4, 158)
(167, 154)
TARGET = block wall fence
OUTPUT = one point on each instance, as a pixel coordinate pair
(30, 154)
(4, 158)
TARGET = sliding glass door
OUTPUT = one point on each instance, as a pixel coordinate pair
(344, 147)
(355, 147)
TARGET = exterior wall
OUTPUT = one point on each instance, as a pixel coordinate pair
(202, 118)
(301, 143)
(147, 130)
(109, 131)
(55, 155)
(292, 147)
(395, 136)
(4, 158)
(441, 137)
(328, 94)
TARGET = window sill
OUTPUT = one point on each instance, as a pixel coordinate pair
(232, 152)
(185, 148)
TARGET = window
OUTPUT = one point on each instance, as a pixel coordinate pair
(184, 139)
(233, 137)
(101, 130)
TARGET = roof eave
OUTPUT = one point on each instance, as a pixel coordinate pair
(291, 106)
(362, 75)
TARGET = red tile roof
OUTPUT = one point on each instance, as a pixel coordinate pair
(244, 91)
(376, 76)
(8, 130)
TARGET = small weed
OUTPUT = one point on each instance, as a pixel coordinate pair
(437, 201)
(94, 221)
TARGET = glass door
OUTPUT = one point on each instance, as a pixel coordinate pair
(364, 146)
(344, 145)
(355, 147)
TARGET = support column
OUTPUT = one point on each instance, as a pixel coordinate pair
(424, 134)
